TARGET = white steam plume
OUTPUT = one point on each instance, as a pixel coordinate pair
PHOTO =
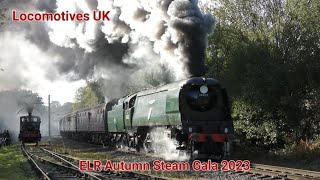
(167, 36)
(165, 147)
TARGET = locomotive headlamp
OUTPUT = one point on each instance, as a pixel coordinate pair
(190, 129)
(226, 130)
(203, 89)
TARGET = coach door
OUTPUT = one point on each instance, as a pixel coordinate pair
(69, 123)
(76, 121)
(89, 121)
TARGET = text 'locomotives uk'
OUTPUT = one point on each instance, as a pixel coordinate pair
(61, 16)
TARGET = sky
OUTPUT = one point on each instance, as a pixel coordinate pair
(27, 70)
(23, 67)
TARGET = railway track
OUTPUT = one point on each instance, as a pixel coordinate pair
(261, 171)
(108, 174)
(257, 171)
(49, 166)
(289, 173)
(52, 165)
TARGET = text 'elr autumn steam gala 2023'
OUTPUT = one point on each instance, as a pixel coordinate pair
(166, 89)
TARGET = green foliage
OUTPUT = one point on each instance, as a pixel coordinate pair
(96, 87)
(267, 53)
(254, 126)
(157, 78)
(148, 79)
(14, 165)
(88, 96)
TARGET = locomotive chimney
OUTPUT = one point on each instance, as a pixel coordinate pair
(29, 109)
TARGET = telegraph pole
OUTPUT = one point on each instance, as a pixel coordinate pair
(49, 118)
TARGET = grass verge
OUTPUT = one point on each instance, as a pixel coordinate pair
(300, 156)
(13, 165)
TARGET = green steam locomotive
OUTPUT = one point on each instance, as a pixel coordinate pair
(195, 112)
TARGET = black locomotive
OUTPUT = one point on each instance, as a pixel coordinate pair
(30, 129)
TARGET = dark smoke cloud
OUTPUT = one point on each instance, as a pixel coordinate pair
(162, 40)
(141, 37)
(195, 27)
(46, 5)
(177, 32)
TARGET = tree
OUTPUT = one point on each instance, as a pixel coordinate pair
(96, 87)
(88, 96)
(160, 77)
(267, 55)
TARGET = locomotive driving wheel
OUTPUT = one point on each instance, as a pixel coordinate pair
(122, 142)
(143, 140)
